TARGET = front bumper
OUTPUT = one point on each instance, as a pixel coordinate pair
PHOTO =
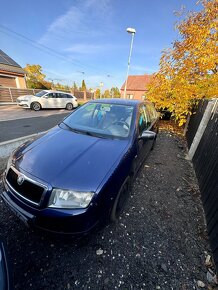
(23, 104)
(63, 221)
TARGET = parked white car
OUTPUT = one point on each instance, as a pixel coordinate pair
(48, 99)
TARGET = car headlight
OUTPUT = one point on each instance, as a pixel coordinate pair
(70, 199)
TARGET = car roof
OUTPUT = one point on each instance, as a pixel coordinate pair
(55, 91)
(119, 101)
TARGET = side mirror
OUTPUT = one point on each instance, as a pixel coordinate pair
(148, 135)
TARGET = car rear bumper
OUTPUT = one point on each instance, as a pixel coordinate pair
(70, 221)
(75, 104)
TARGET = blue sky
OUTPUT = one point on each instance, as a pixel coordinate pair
(88, 38)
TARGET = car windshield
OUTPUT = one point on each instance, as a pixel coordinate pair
(102, 120)
(40, 94)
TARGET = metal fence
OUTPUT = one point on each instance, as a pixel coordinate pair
(9, 95)
(205, 161)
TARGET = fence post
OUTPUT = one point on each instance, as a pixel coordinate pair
(84, 96)
(201, 128)
(186, 125)
(33, 91)
(11, 95)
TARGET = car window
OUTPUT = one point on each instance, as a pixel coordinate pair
(64, 96)
(51, 95)
(60, 95)
(144, 120)
(152, 112)
(40, 94)
(147, 116)
(104, 119)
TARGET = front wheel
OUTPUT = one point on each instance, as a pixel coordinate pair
(69, 106)
(35, 106)
(120, 200)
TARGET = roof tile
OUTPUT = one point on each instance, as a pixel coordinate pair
(9, 65)
(137, 82)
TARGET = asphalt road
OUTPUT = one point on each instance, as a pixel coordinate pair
(159, 242)
(14, 112)
(22, 127)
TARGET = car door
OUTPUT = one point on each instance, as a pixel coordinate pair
(143, 145)
(59, 100)
(49, 101)
(66, 99)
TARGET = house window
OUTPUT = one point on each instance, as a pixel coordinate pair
(130, 96)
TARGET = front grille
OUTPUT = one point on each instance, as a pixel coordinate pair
(27, 189)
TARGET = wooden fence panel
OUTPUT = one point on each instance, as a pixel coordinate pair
(205, 162)
(11, 94)
(5, 95)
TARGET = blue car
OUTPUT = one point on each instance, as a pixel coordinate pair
(80, 172)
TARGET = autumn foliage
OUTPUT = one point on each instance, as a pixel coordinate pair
(35, 78)
(189, 70)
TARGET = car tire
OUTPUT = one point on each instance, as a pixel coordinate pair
(35, 106)
(120, 200)
(69, 106)
(154, 143)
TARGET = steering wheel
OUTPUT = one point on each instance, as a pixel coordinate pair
(122, 123)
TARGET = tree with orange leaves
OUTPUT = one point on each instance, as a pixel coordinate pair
(189, 70)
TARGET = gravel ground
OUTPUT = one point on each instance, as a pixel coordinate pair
(159, 242)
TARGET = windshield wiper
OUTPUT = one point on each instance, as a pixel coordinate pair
(70, 128)
(93, 134)
(78, 131)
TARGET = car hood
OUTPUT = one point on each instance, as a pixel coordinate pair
(25, 97)
(69, 160)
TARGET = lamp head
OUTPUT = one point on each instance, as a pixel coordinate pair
(131, 30)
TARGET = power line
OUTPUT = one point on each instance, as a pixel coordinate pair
(47, 49)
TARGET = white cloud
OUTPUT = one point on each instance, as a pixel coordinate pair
(71, 18)
(78, 22)
(62, 24)
(101, 7)
(81, 48)
(85, 48)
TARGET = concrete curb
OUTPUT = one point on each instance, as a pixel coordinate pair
(7, 103)
(8, 146)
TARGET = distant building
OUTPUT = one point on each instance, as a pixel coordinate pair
(136, 86)
(11, 74)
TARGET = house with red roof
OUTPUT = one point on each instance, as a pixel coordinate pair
(136, 86)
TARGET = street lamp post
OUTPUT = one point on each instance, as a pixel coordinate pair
(101, 86)
(132, 31)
